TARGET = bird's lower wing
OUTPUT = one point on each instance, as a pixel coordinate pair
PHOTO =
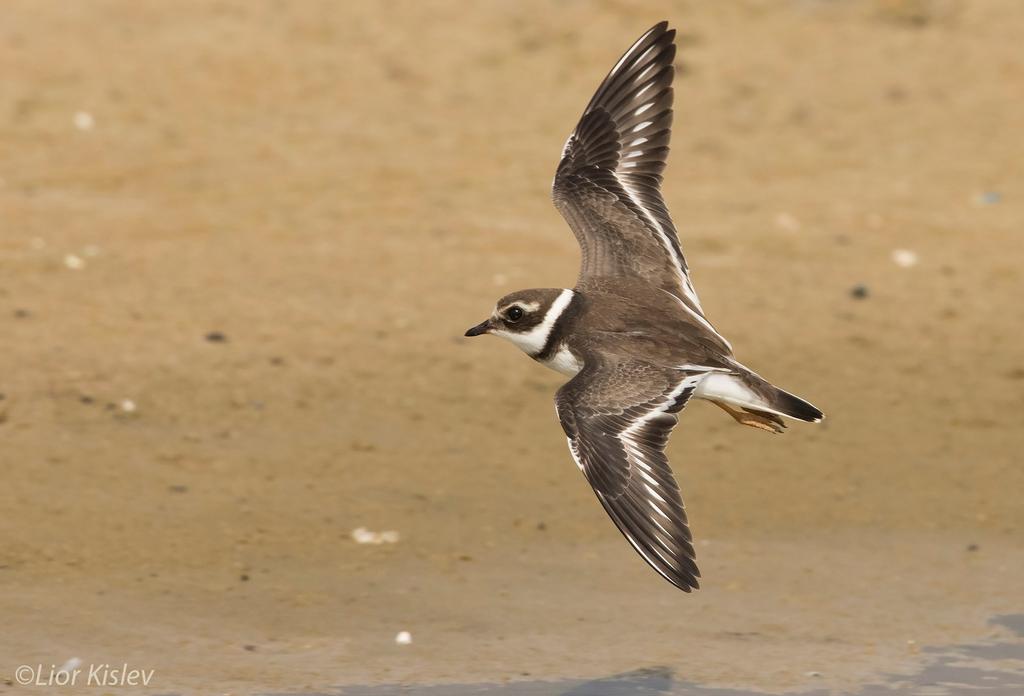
(617, 418)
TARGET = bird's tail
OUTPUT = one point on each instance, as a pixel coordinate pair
(746, 390)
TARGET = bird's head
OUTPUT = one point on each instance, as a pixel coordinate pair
(525, 317)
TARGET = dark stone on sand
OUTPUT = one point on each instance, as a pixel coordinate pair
(859, 291)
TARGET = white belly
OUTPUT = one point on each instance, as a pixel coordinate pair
(563, 361)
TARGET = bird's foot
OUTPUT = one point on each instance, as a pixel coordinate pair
(755, 419)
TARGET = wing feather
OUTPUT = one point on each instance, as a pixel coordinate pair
(617, 420)
(608, 182)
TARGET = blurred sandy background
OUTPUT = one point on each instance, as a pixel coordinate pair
(239, 244)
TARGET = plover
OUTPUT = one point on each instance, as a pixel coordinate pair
(632, 334)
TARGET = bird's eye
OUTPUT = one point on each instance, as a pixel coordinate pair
(514, 313)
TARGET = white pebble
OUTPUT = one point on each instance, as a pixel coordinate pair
(70, 665)
(362, 535)
(403, 638)
(84, 121)
(812, 674)
(128, 406)
(904, 258)
(74, 262)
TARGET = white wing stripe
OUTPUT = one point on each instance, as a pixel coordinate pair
(574, 453)
(697, 315)
(647, 477)
(654, 492)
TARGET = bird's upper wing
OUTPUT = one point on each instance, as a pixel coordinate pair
(617, 418)
(608, 183)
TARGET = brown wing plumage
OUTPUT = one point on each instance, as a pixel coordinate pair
(617, 418)
(608, 183)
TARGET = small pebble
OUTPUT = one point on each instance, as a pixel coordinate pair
(249, 648)
(989, 198)
(216, 337)
(22, 314)
(70, 665)
(84, 121)
(403, 638)
(812, 674)
(859, 291)
(904, 258)
(362, 535)
(128, 406)
(973, 547)
(74, 262)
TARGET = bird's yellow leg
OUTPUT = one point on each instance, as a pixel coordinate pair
(761, 420)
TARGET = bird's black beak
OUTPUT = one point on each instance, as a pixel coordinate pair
(480, 329)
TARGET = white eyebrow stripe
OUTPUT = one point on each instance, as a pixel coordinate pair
(528, 306)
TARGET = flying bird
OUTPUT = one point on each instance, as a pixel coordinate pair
(632, 333)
